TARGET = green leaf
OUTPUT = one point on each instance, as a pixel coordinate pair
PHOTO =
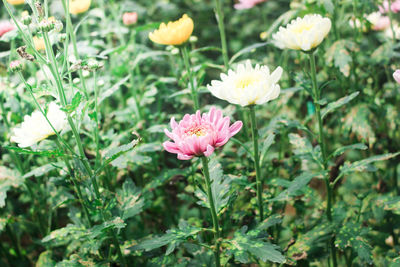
(266, 145)
(304, 149)
(40, 171)
(338, 103)
(244, 245)
(350, 235)
(173, 238)
(271, 221)
(296, 185)
(130, 200)
(3, 223)
(76, 100)
(45, 259)
(389, 203)
(339, 54)
(8, 179)
(342, 149)
(364, 165)
(116, 152)
(46, 153)
(358, 121)
(220, 187)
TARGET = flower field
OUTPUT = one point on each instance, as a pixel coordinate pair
(200, 133)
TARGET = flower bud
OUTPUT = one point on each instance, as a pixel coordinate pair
(15, 66)
(62, 37)
(193, 39)
(129, 18)
(46, 25)
(26, 20)
(58, 26)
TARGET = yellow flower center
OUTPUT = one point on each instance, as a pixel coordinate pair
(197, 130)
(246, 81)
(302, 28)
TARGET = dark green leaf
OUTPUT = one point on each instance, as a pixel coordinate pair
(338, 103)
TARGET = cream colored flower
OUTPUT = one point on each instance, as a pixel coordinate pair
(303, 33)
(173, 33)
(38, 42)
(79, 6)
(35, 127)
(247, 85)
(378, 21)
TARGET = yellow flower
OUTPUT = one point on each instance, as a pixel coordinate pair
(16, 2)
(39, 43)
(174, 33)
(78, 6)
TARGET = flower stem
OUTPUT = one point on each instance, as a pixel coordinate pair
(321, 141)
(391, 21)
(221, 27)
(212, 210)
(186, 60)
(256, 156)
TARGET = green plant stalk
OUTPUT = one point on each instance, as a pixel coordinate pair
(316, 98)
(193, 90)
(72, 37)
(256, 157)
(221, 27)
(334, 18)
(391, 21)
(96, 131)
(214, 215)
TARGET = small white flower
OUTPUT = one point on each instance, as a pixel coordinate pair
(303, 33)
(35, 127)
(247, 85)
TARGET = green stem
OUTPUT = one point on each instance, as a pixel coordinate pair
(391, 21)
(214, 215)
(186, 60)
(256, 156)
(72, 36)
(329, 188)
(221, 27)
(96, 131)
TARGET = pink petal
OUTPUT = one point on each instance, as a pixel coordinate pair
(209, 151)
(235, 128)
(171, 147)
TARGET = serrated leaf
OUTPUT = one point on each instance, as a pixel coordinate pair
(220, 187)
(76, 100)
(173, 237)
(364, 164)
(304, 149)
(296, 185)
(358, 121)
(339, 54)
(343, 149)
(116, 152)
(8, 179)
(244, 245)
(271, 221)
(130, 201)
(40, 171)
(338, 103)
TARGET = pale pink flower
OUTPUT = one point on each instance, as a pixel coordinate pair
(395, 7)
(246, 4)
(130, 18)
(378, 21)
(5, 26)
(199, 135)
(396, 76)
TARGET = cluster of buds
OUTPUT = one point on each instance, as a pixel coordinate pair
(15, 66)
(91, 65)
(46, 25)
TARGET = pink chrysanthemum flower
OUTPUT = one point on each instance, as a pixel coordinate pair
(395, 6)
(5, 26)
(199, 135)
(246, 4)
(396, 76)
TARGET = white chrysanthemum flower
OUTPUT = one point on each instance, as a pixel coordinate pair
(303, 33)
(247, 85)
(35, 127)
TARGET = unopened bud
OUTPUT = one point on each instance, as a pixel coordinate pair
(62, 37)
(58, 26)
(26, 20)
(93, 65)
(193, 39)
(46, 25)
(15, 66)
